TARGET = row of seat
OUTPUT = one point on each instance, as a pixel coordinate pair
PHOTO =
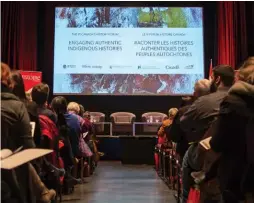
(169, 168)
(122, 122)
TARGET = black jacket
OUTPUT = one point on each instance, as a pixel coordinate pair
(15, 132)
(15, 122)
(229, 137)
(201, 114)
(177, 134)
(33, 114)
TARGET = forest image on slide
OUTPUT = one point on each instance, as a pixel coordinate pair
(121, 17)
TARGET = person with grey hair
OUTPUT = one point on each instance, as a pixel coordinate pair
(198, 118)
(172, 112)
(202, 87)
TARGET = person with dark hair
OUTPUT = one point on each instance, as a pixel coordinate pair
(40, 95)
(59, 105)
(176, 133)
(70, 152)
(198, 118)
(19, 90)
(18, 85)
(82, 110)
(70, 130)
(203, 111)
(233, 138)
(16, 132)
(222, 76)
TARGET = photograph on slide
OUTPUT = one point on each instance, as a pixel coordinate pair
(113, 17)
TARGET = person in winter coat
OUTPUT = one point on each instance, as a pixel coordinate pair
(23, 181)
(233, 137)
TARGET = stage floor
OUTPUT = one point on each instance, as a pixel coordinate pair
(117, 183)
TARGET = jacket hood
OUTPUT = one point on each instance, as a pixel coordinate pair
(8, 96)
(6, 93)
(242, 89)
(245, 94)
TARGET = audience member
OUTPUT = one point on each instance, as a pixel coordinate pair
(73, 108)
(165, 124)
(162, 138)
(87, 118)
(29, 96)
(40, 95)
(59, 104)
(16, 132)
(233, 138)
(198, 118)
(82, 110)
(201, 88)
(19, 91)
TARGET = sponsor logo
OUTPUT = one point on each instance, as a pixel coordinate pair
(69, 66)
(172, 67)
(189, 66)
(92, 66)
(32, 77)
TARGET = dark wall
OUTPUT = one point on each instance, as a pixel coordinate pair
(110, 104)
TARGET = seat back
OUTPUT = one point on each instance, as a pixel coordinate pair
(122, 122)
(97, 118)
(152, 117)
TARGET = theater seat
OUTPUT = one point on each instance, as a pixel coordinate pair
(98, 117)
(122, 122)
(152, 117)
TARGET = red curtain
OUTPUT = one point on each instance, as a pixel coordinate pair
(19, 34)
(232, 34)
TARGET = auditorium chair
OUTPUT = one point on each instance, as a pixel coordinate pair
(122, 122)
(154, 117)
(99, 118)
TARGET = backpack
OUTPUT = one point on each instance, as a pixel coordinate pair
(49, 130)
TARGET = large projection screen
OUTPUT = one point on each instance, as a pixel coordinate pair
(128, 50)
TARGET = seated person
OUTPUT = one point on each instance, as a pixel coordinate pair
(40, 95)
(16, 132)
(162, 138)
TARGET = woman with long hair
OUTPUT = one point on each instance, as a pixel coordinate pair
(18, 89)
(16, 123)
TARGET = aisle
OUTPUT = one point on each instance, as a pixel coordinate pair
(116, 183)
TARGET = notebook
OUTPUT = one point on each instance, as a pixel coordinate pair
(10, 160)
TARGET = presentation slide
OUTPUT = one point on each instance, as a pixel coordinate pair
(128, 50)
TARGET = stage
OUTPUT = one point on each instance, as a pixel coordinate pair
(128, 149)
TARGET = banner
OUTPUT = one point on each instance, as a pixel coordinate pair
(31, 78)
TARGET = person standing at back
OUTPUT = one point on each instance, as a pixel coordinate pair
(198, 118)
(177, 134)
(233, 137)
